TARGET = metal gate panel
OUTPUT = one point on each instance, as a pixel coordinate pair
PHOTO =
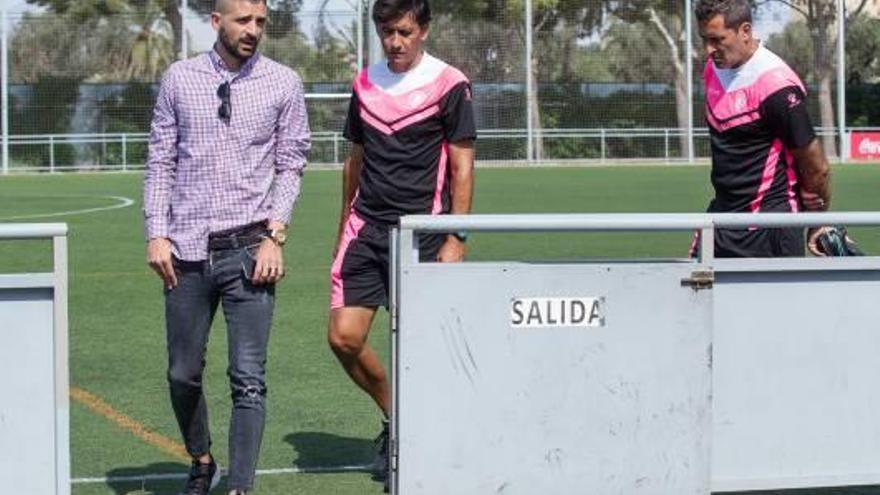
(796, 395)
(35, 409)
(482, 407)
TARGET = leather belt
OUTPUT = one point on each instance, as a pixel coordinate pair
(238, 237)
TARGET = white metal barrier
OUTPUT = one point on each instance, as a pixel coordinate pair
(124, 141)
(35, 409)
(793, 366)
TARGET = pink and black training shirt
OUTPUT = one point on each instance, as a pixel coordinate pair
(405, 123)
(756, 115)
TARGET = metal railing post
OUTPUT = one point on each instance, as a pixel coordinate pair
(124, 153)
(62, 363)
(666, 144)
(4, 81)
(602, 145)
(841, 80)
(530, 131)
(360, 35)
(52, 154)
(688, 64)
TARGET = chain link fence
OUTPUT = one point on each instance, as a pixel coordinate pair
(584, 81)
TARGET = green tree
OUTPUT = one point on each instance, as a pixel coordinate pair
(557, 25)
(121, 47)
(281, 11)
(664, 39)
(863, 50)
(820, 18)
(793, 43)
(862, 55)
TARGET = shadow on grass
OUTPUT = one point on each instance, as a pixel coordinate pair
(316, 452)
(324, 452)
(146, 480)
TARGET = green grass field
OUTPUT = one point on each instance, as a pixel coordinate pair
(316, 418)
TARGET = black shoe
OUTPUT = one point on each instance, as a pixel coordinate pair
(380, 463)
(202, 478)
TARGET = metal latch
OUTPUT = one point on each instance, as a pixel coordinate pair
(699, 279)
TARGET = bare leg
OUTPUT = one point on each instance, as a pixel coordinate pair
(347, 335)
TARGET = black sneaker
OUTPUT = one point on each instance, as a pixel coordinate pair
(380, 463)
(202, 478)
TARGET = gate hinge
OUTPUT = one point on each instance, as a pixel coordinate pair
(699, 279)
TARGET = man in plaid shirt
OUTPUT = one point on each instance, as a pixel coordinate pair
(228, 143)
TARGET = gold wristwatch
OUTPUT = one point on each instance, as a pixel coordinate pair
(278, 236)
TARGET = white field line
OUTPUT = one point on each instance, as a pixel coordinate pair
(260, 472)
(122, 202)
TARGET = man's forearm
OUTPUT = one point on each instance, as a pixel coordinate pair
(462, 192)
(285, 193)
(349, 186)
(462, 162)
(351, 173)
(814, 172)
(158, 183)
(294, 141)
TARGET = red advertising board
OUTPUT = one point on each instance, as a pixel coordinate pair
(864, 145)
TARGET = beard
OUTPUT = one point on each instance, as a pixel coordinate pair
(233, 46)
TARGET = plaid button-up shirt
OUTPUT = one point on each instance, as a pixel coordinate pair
(207, 174)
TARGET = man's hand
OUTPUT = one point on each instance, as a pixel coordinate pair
(159, 259)
(813, 241)
(452, 251)
(269, 268)
(813, 201)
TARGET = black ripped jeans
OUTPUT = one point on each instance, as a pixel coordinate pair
(189, 309)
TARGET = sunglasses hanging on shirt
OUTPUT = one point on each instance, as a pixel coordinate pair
(225, 110)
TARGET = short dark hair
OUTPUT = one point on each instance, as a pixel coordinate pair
(391, 10)
(223, 5)
(734, 12)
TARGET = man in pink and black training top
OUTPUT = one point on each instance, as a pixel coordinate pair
(765, 154)
(411, 124)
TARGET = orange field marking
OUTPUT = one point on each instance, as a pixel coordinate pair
(97, 405)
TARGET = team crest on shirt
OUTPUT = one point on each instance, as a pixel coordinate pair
(416, 99)
(793, 100)
(739, 102)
